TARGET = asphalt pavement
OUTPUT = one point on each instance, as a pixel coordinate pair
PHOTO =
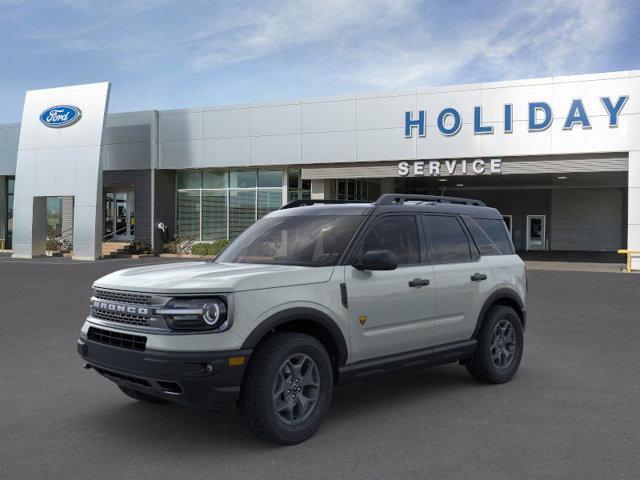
(572, 411)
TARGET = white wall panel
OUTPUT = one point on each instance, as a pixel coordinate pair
(329, 147)
(226, 123)
(463, 101)
(127, 156)
(589, 92)
(8, 160)
(329, 116)
(386, 144)
(226, 152)
(599, 138)
(507, 144)
(180, 126)
(275, 120)
(185, 154)
(496, 96)
(385, 112)
(275, 150)
(436, 145)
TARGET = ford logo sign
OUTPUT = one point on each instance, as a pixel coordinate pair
(60, 116)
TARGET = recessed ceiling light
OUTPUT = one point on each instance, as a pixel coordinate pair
(459, 184)
(562, 178)
(443, 180)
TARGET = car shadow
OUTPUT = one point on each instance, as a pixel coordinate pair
(171, 425)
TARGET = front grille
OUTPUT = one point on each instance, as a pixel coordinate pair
(126, 318)
(117, 339)
(123, 297)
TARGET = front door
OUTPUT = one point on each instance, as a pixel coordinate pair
(536, 232)
(387, 314)
(119, 220)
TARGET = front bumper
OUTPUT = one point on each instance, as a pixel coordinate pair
(198, 379)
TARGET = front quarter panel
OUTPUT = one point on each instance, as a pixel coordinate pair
(252, 308)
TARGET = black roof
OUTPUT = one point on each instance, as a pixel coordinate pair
(392, 203)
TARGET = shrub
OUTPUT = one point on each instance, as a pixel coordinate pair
(53, 245)
(211, 249)
(138, 246)
(178, 245)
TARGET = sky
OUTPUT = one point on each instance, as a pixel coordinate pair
(164, 54)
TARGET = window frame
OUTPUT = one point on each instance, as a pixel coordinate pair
(474, 253)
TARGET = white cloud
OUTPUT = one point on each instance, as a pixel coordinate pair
(370, 44)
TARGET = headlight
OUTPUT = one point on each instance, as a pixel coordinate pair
(195, 314)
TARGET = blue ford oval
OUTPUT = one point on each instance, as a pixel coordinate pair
(60, 116)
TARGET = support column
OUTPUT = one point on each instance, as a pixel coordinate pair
(318, 189)
(633, 229)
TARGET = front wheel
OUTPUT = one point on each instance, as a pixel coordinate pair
(500, 344)
(287, 388)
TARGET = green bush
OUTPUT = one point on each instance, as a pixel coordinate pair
(53, 245)
(212, 249)
(178, 245)
(138, 246)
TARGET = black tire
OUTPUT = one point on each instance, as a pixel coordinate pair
(488, 364)
(266, 376)
(142, 396)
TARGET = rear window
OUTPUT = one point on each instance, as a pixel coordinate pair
(449, 243)
(491, 236)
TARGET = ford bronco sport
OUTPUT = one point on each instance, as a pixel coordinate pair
(315, 294)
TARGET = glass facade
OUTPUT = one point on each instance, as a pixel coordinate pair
(356, 189)
(8, 234)
(221, 204)
(297, 189)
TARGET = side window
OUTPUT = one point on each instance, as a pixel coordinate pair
(449, 243)
(484, 243)
(498, 233)
(398, 234)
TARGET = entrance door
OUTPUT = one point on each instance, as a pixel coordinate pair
(536, 232)
(118, 216)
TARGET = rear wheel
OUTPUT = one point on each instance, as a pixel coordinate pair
(286, 390)
(142, 396)
(500, 345)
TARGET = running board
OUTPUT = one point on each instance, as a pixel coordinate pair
(427, 357)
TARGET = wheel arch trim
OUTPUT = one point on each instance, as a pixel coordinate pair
(501, 294)
(294, 314)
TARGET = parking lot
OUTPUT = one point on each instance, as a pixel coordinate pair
(573, 410)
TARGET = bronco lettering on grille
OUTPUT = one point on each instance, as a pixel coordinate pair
(117, 308)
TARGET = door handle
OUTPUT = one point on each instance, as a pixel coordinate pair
(476, 277)
(419, 282)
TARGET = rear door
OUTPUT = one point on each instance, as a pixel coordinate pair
(462, 277)
(388, 312)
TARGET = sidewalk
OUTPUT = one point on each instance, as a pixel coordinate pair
(576, 266)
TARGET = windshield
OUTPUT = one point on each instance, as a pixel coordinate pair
(310, 241)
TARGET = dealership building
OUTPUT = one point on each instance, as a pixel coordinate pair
(558, 156)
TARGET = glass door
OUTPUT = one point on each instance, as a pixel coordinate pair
(536, 232)
(118, 216)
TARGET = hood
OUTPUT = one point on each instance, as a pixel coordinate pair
(210, 277)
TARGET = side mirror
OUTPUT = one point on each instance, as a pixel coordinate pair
(377, 260)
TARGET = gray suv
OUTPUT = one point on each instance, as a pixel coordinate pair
(313, 295)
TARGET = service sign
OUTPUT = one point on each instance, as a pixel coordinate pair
(436, 168)
(60, 116)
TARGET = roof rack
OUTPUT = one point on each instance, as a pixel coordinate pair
(399, 198)
(306, 203)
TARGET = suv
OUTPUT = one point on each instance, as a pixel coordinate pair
(315, 294)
